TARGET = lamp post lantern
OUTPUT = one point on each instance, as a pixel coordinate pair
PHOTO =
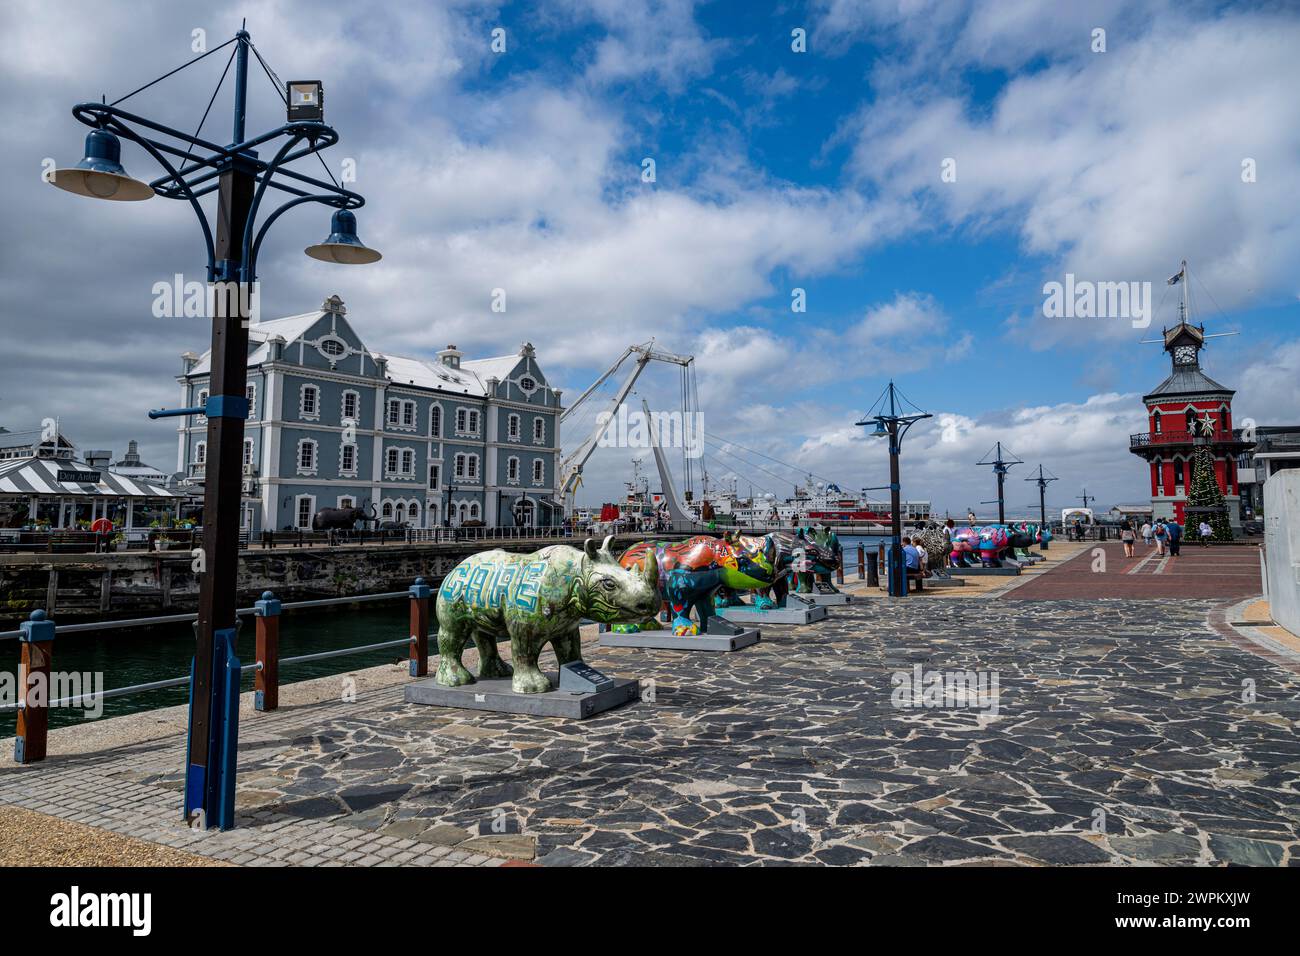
(891, 421)
(239, 178)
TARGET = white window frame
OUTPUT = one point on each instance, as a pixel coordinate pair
(458, 469)
(250, 456)
(471, 468)
(311, 470)
(474, 513)
(435, 420)
(386, 510)
(539, 424)
(514, 431)
(346, 501)
(343, 406)
(344, 471)
(202, 402)
(250, 392)
(407, 461)
(200, 453)
(297, 511)
(435, 476)
(475, 422)
(512, 470)
(312, 416)
(400, 471)
(539, 466)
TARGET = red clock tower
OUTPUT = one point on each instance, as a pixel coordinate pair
(1186, 410)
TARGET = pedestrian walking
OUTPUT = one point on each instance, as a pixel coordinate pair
(1146, 532)
(1128, 537)
(1175, 537)
(1161, 535)
(1206, 533)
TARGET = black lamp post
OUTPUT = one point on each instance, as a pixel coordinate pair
(193, 168)
(891, 423)
(1043, 529)
(1001, 465)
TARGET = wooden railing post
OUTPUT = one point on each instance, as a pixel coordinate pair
(420, 628)
(267, 681)
(37, 641)
(862, 561)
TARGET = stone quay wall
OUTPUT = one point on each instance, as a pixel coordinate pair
(73, 587)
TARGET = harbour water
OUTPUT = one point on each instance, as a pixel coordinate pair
(141, 655)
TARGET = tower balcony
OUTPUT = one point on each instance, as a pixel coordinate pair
(1221, 439)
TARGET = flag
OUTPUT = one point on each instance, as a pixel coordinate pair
(1177, 277)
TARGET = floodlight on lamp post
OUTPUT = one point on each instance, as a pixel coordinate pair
(194, 167)
(892, 422)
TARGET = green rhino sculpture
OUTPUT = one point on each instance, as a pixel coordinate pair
(537, 599)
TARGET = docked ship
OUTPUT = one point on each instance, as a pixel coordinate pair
(813, 502)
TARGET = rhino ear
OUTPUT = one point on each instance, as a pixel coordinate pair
(589, 546)
(604, 545)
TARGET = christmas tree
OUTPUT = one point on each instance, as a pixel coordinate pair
(1205, 493)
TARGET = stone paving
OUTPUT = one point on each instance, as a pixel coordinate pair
(1119, 732)
(1100, 570)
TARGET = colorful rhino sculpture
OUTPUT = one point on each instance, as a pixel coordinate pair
(693, 571)
(993, 543)
(537, 599)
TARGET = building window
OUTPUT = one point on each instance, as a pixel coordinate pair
(460, 466)
(473, 423)
(434, 476)
(512, 428)
(332, 347)
(527, 384)
(539, 471)
(250, 393)
(460, 421)
(413, 512)
(512, 470)
(201, 453)
(392, 461)
(248, 451)
(203, 401)
(401, 414)
(1178, 472)
(399, 513)
(1155, 423)
(387, 510)
(408, 462)
(435, 420)
(351, 405)
(471, 467)
(1160, 476)
(473, 511)
(307, 457)
(309, 402)
(408, 414)
(306, 509)
(348, 460)
(1191, 421)
(539, 431)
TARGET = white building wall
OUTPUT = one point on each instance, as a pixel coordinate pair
(1282, 547)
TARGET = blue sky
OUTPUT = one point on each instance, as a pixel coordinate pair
(775, 170)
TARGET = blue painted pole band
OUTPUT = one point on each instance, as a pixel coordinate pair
(227, 406)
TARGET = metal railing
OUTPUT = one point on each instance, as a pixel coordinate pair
(1184, 437)
(36, 637)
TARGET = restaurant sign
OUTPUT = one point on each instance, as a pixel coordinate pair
(87, 477)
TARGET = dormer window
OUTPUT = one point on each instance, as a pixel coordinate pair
(333, 347)
(528, 384)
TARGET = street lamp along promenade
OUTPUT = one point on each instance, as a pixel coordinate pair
(193, 168)
(892, 420)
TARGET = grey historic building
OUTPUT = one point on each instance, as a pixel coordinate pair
(428, 442)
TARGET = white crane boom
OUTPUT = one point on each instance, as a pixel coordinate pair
(570, 469)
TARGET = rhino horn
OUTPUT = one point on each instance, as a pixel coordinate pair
(651, 570)
(589, 546)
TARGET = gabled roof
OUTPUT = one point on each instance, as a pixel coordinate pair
(289, 328)
(1187, 381)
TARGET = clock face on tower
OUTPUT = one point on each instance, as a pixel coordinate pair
(1185, 355)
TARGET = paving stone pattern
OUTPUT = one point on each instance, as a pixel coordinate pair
(1120, 737)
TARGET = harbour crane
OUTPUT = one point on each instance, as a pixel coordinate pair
(570, 470)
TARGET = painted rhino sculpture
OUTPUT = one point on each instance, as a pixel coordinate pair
(537, 599)
(691, 572)
(992, 542)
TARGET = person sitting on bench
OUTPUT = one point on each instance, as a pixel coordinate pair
(912, 561)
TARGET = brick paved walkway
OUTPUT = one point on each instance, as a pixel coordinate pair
(1121, 734)
(1214, 572)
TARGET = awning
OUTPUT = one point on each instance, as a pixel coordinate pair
(66, 476)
